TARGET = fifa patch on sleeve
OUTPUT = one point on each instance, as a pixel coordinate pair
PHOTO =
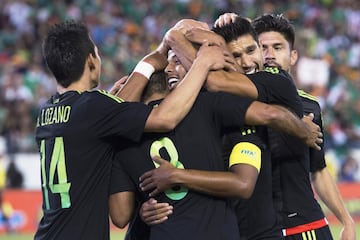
(246, 153)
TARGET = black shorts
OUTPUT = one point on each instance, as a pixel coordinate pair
(322, 233)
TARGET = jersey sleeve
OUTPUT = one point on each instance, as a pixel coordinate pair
(230, 110)
(111, 115)
(317, 157)
(276, 87)
(120, 181)
(244, 146)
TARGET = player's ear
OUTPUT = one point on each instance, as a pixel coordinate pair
(293, 57)
(91, 62)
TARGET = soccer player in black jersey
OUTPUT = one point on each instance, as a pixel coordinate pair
(195, 144)
(269, 94)
(76, 127)
(216, 188)
(300, 213)
(256, 216)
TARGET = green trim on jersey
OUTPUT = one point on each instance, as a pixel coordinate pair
(117, 99)
(304, 94)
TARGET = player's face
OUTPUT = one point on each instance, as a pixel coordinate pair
(276, 50)
(247, 54)
(175, 72)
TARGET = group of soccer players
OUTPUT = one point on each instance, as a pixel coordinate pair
(230, 163)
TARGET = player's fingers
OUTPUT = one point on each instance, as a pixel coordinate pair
(163, 208)
(145, 176)
(146, 185)
(225, 19)
(221, 21)
(216, 23)
(317, 147)
(158, 221)
(159, 216)
(154, 192)
(152, 212)
(311, 116)
(159, 160)
(230, 66)
(118, 85)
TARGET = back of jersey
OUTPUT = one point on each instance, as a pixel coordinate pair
(73, 134)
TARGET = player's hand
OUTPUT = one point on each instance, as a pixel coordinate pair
(118, 85)
(348, 232)
(186, 24)
(225, 19)
(200, 35)
(314, 137)
(215, 58)
(157, 59)
(152, 212)
(158, 179)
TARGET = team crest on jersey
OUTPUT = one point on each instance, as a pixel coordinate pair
(273, 70)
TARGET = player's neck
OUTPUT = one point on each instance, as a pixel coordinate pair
(79, 86)
(155, 96)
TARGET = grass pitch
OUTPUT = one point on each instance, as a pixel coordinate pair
(119, 234)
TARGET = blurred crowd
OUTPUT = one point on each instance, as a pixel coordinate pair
(328, 40)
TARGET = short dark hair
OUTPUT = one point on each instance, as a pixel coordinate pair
(65, 49)
(277, 23)
(157, 84)
(236, 29)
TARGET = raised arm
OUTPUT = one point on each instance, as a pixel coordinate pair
(225, 81)
(177, 41)
(137, 80)
(179, 102)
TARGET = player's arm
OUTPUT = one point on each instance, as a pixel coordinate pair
(122, 197)
(121, 208)
(328, 192)
(177, 41)
(238, 182)
(225, 81)
(231, 82)
(157, 60)
(179, 101)
(282, 119)
(138, 79)
(322, 181)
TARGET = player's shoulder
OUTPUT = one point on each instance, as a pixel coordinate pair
(310, 102)
(102, 94)
(275, 73)
(307, 96)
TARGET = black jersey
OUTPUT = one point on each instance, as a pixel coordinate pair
(276, 86)
(311, 105)
(256, 216)
(74, 133)
(293, 195)
(194, 144)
